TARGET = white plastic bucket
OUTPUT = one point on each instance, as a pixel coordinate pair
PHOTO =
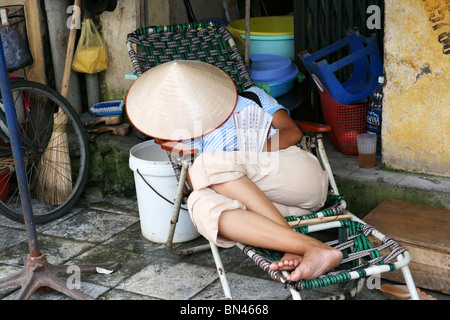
(151, 165)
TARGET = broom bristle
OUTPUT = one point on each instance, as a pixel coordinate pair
(53, 179)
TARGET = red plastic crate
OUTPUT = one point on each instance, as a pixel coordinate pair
(346, 121)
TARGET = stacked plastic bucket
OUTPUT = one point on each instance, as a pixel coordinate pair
(272, 52)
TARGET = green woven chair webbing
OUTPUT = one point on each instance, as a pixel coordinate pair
(361, 250)
(204, 41)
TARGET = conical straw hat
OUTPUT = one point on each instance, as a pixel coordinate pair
(181, 100)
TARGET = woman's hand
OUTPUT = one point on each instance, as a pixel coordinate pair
(289, 134)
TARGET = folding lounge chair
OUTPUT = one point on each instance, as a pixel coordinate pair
(212, 43)
(366, 251)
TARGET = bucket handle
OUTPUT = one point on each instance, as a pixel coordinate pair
(148, 184)
(318, 83)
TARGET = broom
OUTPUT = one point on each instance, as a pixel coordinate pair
(54, 171)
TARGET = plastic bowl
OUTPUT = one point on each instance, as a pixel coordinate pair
(275, 71)
(278, 89)
(271, 35)
(266, 26)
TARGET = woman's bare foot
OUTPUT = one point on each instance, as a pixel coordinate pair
(287, 263)
(315, 263)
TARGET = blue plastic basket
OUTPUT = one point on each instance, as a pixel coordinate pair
(367, 67)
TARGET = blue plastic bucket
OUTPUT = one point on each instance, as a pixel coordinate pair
(277, 72)
(279, 45)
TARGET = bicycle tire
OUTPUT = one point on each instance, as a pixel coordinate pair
(43, 136)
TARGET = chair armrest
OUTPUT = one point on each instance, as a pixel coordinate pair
(179, 148)
(314, 127)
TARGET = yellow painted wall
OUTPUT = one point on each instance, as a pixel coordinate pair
(416, 107)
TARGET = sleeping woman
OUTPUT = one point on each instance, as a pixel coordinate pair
(243, 197)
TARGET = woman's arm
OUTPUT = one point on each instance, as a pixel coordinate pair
(289, 133)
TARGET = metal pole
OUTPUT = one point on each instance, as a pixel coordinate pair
(37, 272)
(92, 80)
(13, 129)
(247, 33)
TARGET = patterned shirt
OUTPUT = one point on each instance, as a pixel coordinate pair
(224, 137)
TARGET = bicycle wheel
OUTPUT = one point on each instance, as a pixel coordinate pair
(55, 151)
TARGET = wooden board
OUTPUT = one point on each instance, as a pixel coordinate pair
(424, 231)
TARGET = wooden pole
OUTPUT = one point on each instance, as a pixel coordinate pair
(69, 54)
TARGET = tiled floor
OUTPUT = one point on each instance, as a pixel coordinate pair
(104, 230)
(110, 231)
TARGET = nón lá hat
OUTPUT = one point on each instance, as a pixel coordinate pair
(181, 100)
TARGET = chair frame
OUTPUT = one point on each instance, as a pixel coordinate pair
(315, 133)
(184, 155)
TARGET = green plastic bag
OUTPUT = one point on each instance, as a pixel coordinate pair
(91, 55)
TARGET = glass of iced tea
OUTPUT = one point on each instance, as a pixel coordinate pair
(367, 149)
